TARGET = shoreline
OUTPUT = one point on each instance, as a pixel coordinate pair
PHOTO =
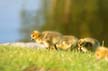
(23, 44)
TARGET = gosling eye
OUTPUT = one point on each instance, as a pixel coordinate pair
(32, 35)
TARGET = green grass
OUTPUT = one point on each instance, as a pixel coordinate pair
(32, 59)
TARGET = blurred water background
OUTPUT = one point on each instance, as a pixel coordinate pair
(10, 18)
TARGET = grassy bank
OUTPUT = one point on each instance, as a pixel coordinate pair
(32, 59)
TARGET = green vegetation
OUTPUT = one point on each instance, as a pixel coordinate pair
(32, 59)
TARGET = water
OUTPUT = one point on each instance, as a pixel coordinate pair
(9, 36)
(10, 18)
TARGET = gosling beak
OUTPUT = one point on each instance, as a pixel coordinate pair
(31, 39)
